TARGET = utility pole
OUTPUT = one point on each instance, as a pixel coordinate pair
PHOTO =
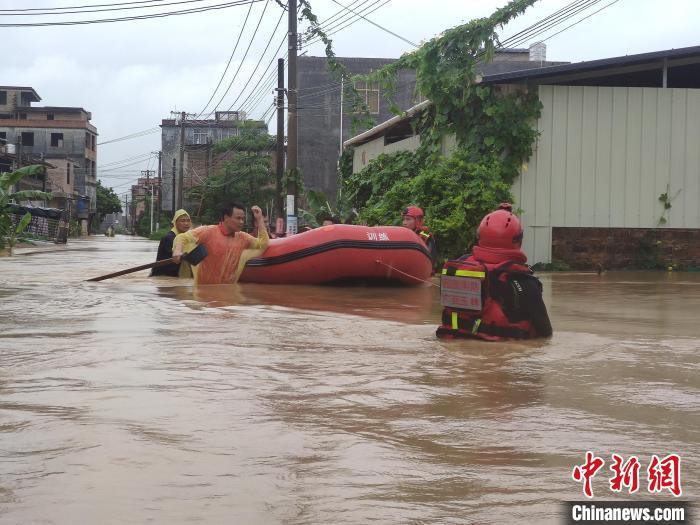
(126, 209)
(292, 120)
(160, 189)
(183, 117)
(279, 204)
(342, 88)
(151, 186)
(174, 188)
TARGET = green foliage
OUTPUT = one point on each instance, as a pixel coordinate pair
(493, 130)
(666, 200)
(454, 192)
(246, 177)
(107, 201)
(318, 208)
(12, 234)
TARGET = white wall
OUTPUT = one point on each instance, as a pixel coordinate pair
(603, 158)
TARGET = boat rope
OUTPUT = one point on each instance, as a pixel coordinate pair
(407, 274)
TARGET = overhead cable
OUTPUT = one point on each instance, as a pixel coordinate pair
(135, 17)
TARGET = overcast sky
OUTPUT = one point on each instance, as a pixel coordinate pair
(130, 75)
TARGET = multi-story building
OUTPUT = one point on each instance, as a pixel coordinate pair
(63, 136)
(325, 118)
(198, 159)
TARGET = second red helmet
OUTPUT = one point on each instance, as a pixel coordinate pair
(501, 229)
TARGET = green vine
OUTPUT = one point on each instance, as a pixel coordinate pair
(666, 200)
(492, 126)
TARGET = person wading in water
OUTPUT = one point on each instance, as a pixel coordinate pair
(181, 223)
(225, 244)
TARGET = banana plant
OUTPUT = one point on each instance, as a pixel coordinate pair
(10, 234)
(318, 208)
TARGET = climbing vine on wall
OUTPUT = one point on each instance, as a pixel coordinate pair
(493, 128)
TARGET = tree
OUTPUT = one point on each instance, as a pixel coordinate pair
(246, 177)
(107, 201)
(10, 234)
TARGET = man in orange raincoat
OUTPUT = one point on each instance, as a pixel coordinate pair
(225, 244)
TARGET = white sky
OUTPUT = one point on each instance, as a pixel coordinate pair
(130, 75)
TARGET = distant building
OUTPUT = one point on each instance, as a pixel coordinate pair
(62, 136)
(199, 161)
(321, 129)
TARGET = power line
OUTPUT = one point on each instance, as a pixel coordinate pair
(262, 15)
(335, 28)
(260, 60)
(258, 64)
(345, 16)
(582, 19)
(79, 6)
(86, 10)
(134, 135)
(135, 17)
(376, 25)
(228, 64)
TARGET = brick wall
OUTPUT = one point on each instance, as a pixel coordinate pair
(619, 248)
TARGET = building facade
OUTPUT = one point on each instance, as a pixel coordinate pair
(63, 134)
(325, 118)
(198, 158)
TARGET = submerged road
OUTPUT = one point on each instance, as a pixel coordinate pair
(141, 400)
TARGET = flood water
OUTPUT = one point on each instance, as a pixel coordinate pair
(141, 400)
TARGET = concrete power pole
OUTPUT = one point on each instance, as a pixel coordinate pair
(279, 204)
(174, 187)
(181, 177)
(292, 120)
(160, 189)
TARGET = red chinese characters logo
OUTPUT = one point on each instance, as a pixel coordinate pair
(586, 472)
(626, 475)
(662, 474)
(665, 474)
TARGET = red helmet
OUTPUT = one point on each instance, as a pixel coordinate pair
(501, 229)
(416, 213)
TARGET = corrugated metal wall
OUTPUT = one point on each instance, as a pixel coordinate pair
(603, 158)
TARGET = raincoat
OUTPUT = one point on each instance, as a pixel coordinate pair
(227, 254)
(165, 251)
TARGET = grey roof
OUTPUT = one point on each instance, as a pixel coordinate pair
(37, 98)
(591, 66)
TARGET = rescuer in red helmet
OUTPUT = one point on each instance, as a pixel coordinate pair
(413, 220)
(492, 293)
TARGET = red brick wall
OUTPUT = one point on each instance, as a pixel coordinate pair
(619, 248)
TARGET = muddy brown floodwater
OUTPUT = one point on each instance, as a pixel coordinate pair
(139, 400)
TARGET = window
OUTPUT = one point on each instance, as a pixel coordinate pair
(87, 140)
(49, 116)
(27, 138)
(67, 172)
(3, 137)
(369, 93)
(23, 116)
(3, 98)
(199, 136)
(5, 115)
(56, 140)
(94, 145)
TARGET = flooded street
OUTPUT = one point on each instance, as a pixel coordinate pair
(139, 400)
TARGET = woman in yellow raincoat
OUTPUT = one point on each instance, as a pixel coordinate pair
(181, 223)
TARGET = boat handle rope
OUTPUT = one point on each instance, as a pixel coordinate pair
(407, 274)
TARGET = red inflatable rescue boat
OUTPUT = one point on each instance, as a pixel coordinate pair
(342, 253)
